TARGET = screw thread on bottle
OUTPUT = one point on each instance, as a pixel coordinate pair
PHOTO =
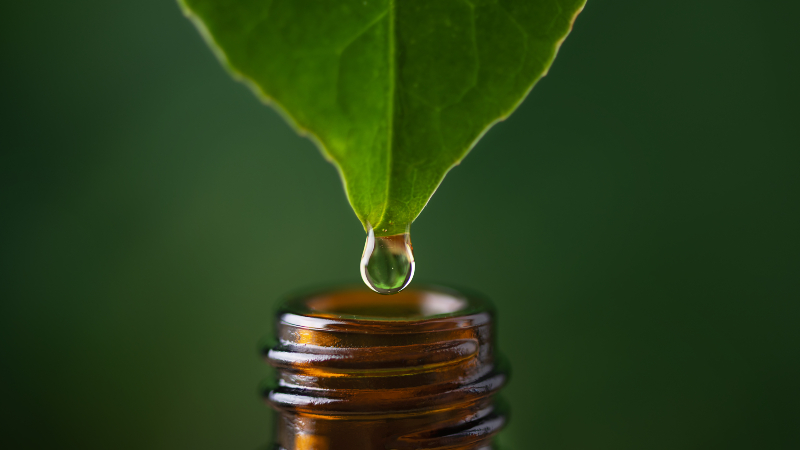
(357, 371)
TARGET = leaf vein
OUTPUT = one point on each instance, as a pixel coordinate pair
(391, 38)
(362, 32)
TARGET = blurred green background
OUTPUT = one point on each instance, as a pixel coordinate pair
(636, 222)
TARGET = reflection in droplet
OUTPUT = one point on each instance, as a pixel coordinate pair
(387, 264)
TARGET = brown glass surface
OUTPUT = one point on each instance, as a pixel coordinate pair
(361, 371)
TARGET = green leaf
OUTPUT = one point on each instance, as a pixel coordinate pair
(394, 92)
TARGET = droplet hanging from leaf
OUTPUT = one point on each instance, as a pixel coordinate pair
(387, 264)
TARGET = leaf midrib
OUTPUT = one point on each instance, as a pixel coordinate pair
(392, 93)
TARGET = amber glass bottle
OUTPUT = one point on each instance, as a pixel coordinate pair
(360, 371)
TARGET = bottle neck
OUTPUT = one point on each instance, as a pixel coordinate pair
(359, 371)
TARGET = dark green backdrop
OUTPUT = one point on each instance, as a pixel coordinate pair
(636, 222)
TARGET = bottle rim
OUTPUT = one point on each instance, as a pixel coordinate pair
(416, 309)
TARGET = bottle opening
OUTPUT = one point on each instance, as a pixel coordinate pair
(406, 305)
(357, 305)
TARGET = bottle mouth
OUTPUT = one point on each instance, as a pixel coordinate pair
(353, 303)
(407, 305)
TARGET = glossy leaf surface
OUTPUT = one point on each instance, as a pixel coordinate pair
(394, 92)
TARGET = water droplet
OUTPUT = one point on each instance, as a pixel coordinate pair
(387, 264)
